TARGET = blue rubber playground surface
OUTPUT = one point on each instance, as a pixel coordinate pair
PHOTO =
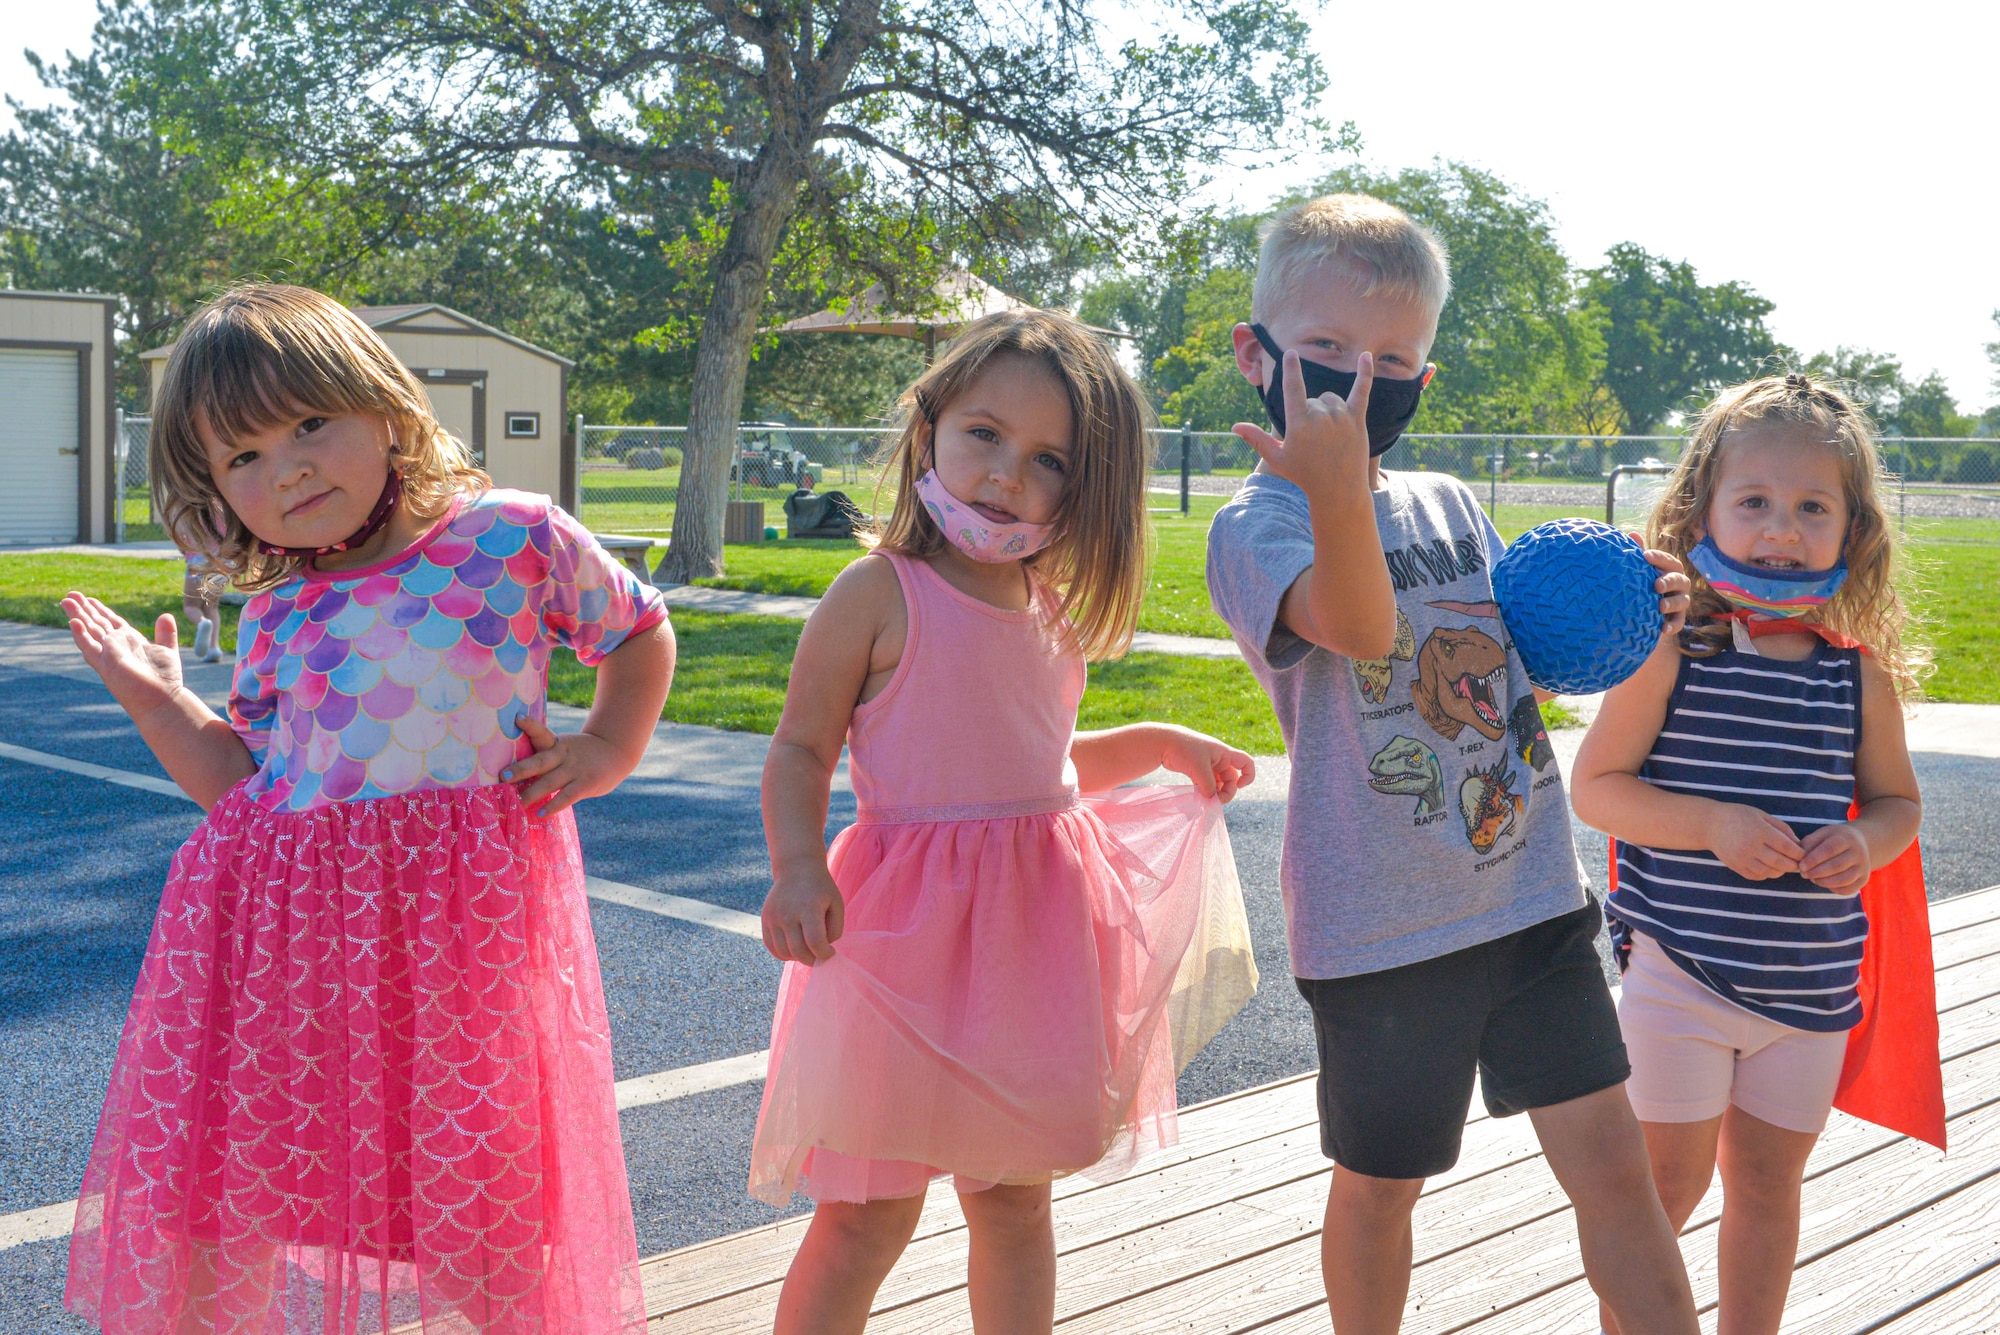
(83, 858)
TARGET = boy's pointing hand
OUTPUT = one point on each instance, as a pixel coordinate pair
(1326, 439)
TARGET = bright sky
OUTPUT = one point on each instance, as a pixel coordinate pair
(1838, 157)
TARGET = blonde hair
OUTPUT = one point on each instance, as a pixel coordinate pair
(255, 356)
(1868, 606)
(1390, 250)
(1095, 562)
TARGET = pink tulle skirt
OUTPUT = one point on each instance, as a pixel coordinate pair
(1010, 1001)
(365, 1085)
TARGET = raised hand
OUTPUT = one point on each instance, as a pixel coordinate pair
(1326, 439)
(141, 674)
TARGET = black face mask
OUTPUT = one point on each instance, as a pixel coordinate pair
(1391, 403)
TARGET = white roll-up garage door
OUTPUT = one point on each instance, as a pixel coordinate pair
(38, 446)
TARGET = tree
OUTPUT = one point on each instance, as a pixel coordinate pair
(1872, 379)
(1515, 352)
(1668, 338)
(833, 141)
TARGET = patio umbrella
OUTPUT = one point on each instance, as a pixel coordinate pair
(962, 298)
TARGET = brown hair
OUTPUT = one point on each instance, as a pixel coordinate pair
(253, 357)
(1868, 606)
(1096, 560)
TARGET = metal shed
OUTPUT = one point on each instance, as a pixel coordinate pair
(501, 395)
(57, 455)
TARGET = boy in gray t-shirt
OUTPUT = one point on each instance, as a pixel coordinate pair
(1436, 912)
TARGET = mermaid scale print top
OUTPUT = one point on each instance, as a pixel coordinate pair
(365, 1083)
(414, 673)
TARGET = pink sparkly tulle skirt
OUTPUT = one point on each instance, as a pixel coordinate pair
(1010, 1001)
(365, 1085)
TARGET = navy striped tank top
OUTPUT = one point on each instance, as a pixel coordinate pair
(1781, 737)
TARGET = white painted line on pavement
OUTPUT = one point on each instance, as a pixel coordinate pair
(614, 892)
(666, 1086)
(54, 1221)
(674, 906)
(50, 1221)
(123, 778)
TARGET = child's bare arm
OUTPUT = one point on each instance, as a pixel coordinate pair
(198, 749)
(840, 646)
(1610, 796)
(1113, 756)
(1344, 601)
(632, 685)
(1840, 857)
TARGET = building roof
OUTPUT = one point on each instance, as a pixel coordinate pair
(55, 296)
(397, 319)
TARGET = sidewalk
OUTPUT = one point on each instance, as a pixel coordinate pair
(697, 598)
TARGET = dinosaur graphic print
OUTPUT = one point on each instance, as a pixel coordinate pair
(1489, 804)
(1372, 674)
(1461, 680)
(1531, 739)
(1408, 768)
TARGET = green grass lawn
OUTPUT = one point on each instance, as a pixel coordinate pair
(734, 669)
(1958, 600)
(32, 588)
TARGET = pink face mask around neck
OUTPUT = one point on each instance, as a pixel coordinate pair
(978, 537)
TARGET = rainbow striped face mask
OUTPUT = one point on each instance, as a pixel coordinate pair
(1763, 592)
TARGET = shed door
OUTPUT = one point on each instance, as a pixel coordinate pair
(452, 405)
(38, 446)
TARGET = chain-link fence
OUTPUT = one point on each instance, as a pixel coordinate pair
(630, 475)
(136, 520)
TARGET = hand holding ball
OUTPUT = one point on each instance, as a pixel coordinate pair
(1579, 599)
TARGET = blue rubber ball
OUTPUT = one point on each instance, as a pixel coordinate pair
(1578, 598)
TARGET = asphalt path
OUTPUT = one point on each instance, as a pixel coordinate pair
(83, 860)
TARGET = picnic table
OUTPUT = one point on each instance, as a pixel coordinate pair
(630, 551)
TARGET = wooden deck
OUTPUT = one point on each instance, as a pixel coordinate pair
(1222, 1233)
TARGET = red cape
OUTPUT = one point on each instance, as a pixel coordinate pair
(1893, 1076)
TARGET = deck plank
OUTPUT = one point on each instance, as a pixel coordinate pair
(680, 1280)
(1221, 1232)
(1134, 1261)
(1859, 1174)
(1460, 1287)
(1968, 1304)
(1977, 906)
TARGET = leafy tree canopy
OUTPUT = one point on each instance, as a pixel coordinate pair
(1668, 338)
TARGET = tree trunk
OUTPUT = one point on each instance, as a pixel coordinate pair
(721, 365)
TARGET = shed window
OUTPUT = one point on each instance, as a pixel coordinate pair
(524, 425)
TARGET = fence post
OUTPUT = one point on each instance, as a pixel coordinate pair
(576, 465)
(1903, 493)
(1493, 461)
(1187, 458)
(118, 448)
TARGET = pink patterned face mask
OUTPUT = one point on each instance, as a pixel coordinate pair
(978, 537)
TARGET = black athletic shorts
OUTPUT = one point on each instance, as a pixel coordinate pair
(1398, 1047)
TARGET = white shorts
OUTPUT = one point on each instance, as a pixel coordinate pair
(1693, 1053)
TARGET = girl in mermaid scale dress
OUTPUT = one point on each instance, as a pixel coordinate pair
(988, 975)
(365, 1082)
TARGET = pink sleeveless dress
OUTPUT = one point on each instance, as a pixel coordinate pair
(1023, 970)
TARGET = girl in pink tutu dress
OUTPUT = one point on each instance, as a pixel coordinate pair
(988, 975)
(365, 1082)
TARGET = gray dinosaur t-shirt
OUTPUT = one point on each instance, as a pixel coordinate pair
(1427, 811)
